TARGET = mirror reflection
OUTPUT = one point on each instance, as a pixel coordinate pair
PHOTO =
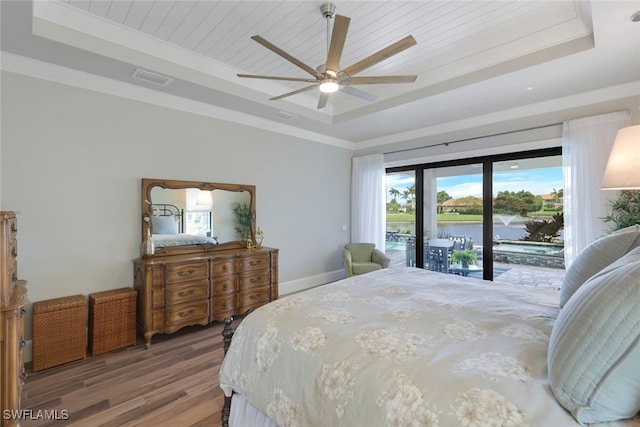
(188, 216)
(196, 216)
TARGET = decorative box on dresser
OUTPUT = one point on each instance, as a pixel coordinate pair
(13, 297)
(181, 290)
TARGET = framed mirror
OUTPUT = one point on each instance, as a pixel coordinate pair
(189, 216)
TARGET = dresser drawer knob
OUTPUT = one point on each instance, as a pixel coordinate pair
(255, 262)
(184, 294)
(23, 376)
(225, 267)
(188, 313)
(254, 279)
(254, 296)
(22, 344)
(23, 311)
(14, 277)
(224, 304)
(225, 287)
(183, 273)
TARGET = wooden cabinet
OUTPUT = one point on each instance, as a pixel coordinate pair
(175, 291)
(13, 296)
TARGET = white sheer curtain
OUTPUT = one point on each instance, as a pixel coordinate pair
(586, 144)
(368, 210)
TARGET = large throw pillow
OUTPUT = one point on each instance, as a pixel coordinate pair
(165, 225)
(594, 348)
(597, 256)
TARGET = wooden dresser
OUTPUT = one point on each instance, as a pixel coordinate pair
(13, 296)
(175, 291)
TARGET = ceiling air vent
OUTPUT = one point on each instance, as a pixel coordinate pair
(282, 115)
(151, 77)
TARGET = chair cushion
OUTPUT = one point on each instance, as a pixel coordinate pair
(360, 252)
(597, 256)
(594, 346)
(364, 267)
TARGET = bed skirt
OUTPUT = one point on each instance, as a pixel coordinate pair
(243, 414)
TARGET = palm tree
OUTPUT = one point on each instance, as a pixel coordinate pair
(394, 193)
(409, 195)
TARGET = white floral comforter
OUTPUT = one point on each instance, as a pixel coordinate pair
(399, 347)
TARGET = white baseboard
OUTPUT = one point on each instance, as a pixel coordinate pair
(309, 282)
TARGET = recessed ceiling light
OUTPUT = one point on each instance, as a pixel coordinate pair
(530, 88)
(636, 17)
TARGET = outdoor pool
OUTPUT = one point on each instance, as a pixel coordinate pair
(529, 253)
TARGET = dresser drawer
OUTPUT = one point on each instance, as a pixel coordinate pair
(189, 313)
(225, 285)
(254, 262)
(224, 304)
(222, 266)
(189, 291)
(252, 298)
(253, 279)
(182, 272)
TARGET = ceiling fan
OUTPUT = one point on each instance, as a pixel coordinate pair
(329, 77)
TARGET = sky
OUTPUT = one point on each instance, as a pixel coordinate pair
(537, 181)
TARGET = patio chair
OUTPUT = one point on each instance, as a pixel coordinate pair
(360, 258)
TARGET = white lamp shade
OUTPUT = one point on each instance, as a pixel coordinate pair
(204, 198)
(623, 168)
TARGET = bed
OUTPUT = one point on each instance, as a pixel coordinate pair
(169, 225)
(409, 347)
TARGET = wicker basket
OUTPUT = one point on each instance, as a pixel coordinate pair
(112, 320)
(59, 331)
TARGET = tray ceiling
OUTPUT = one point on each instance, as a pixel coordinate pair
(472, 58)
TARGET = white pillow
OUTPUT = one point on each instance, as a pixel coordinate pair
(594, 348)
(597, 256)
(165, 224)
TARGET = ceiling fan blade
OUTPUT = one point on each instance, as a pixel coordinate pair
(322, 102)
(381, 55)
(338, 37)
(359, 93)
(291, 79)
(304, 89)
(381, 80)
(288, 57)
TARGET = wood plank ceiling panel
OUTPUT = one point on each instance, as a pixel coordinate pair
(447, 31)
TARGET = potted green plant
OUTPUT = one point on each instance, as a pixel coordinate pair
(625, 210)
(464, 257)
(243, 220)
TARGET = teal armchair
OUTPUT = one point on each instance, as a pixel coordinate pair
(360, 258)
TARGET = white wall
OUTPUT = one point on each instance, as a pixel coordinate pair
(71, 165)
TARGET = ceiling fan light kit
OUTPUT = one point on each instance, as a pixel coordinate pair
(329, 78)
(329, 86)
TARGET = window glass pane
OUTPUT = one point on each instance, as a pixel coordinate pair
(198, 223)
(453, 219)
(528, 212)
(401, 218)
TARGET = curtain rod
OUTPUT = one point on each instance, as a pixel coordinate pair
(474, 138)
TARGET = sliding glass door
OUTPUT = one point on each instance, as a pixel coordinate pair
(453, 219)
(528, 215)
(401, 218)
(456, 217)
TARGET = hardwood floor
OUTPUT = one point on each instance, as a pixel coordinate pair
(174, 383)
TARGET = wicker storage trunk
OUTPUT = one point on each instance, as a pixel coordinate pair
(59, 331)
(112, 320)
